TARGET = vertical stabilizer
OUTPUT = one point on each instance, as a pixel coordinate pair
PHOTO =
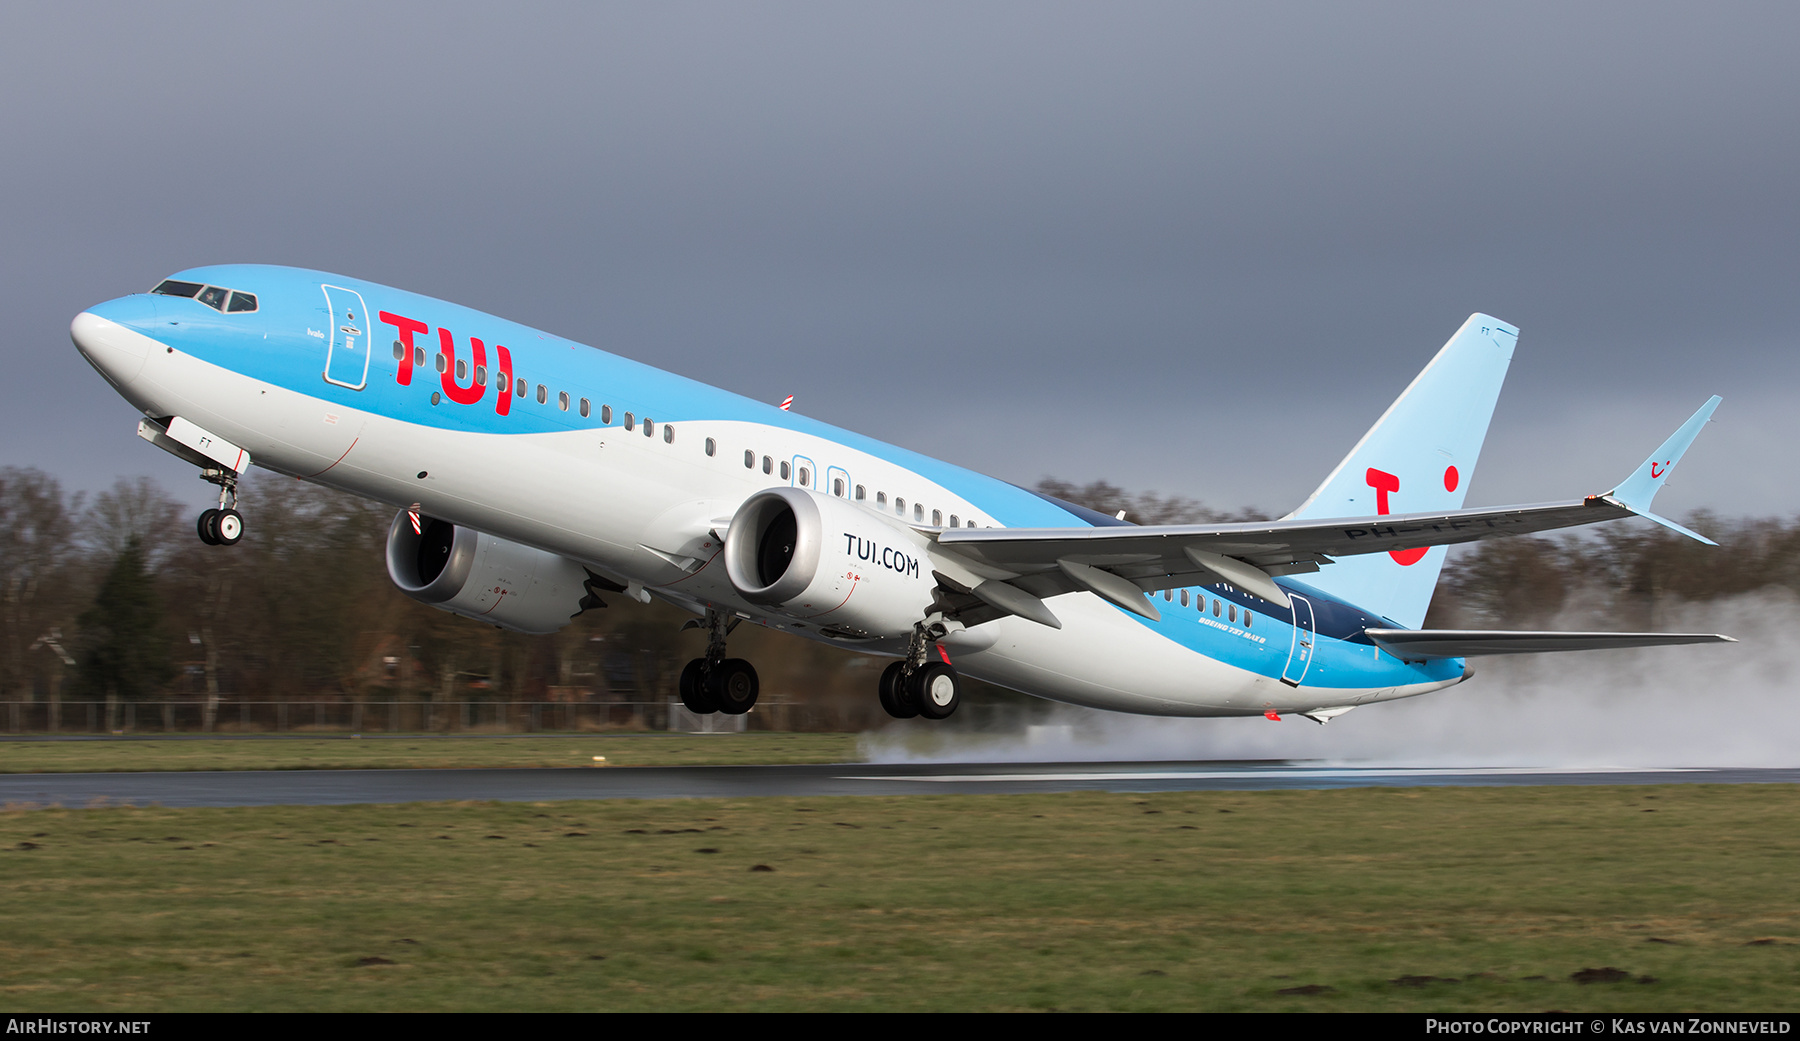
(1419, 456)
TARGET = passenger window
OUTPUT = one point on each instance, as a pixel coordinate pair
(805, 476)
(899, 506)
(399, 351)
(1184, 598)
(1215, 609)
(669, 435)
(443, 363)
(214, 297)
(630, 421)
(170, 287)
(418, 357)
(543, 394)
(712, 447)
(861, 493)
(586, 409)
(562, 400)
(784, 469)
(881, 498)
(769, 465)
(481, 375)
(1168, 596)
(241, 302)
(749, 459)
(520, 389)
(837, 487)
(1246, 618)
(649, 426)
(954, 523)
(606, 414)
(1231, 613)
(462, 370)
(937, 518)
(918, 512)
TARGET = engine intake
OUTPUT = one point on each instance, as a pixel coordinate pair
(817, 557)
(489, 579)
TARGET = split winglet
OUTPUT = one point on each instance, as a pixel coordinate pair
(1635, 492)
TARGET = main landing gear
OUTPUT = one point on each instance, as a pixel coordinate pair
(716, 683)
(225, 525)
(914, 686)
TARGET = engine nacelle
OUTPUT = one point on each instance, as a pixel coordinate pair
(485, 578)
(837, 565)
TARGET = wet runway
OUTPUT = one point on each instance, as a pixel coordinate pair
(343, 787)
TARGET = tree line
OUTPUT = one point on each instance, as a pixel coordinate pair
(113, 597)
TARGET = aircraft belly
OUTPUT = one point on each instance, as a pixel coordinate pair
(560, 491)
(1102, 659)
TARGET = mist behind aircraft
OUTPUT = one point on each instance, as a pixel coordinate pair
(1736, 705)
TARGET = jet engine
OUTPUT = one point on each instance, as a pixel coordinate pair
(491, 580)
(841, 566)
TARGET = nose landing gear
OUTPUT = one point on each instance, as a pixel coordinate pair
(220, 463)
(223, 526)
(716, 683)
(220, 527)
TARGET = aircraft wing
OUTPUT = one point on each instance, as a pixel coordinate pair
(1048, 561)
(1120, 564)
(1422, 644)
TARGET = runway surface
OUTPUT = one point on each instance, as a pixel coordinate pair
(343, 787)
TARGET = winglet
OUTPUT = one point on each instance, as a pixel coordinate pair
(1635, 492)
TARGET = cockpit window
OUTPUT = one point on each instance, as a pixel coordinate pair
(215, 297)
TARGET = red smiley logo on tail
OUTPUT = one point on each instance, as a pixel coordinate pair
(1655, 473)
(1383, 483)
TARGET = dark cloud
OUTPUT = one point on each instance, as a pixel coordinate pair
(1177, 246)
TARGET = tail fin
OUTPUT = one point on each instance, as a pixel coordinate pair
(1419, 456)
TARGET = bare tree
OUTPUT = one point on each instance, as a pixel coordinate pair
(42, 581)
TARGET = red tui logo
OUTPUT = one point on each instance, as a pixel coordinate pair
(1383, 483)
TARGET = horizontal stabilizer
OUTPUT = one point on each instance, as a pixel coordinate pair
(1424, 644)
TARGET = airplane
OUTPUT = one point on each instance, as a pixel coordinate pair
(531, 474)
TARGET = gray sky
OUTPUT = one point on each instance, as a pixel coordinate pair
(1181, 247)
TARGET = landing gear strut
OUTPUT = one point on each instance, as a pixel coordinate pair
(716, 683)
(914, 686)
(225, 525)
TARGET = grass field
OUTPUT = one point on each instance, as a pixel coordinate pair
(397, 753)
(1084, 901)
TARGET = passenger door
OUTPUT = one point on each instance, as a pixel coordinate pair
(1300, 652)
(347, 357)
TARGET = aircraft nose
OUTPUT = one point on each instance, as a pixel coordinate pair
(116, 351)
